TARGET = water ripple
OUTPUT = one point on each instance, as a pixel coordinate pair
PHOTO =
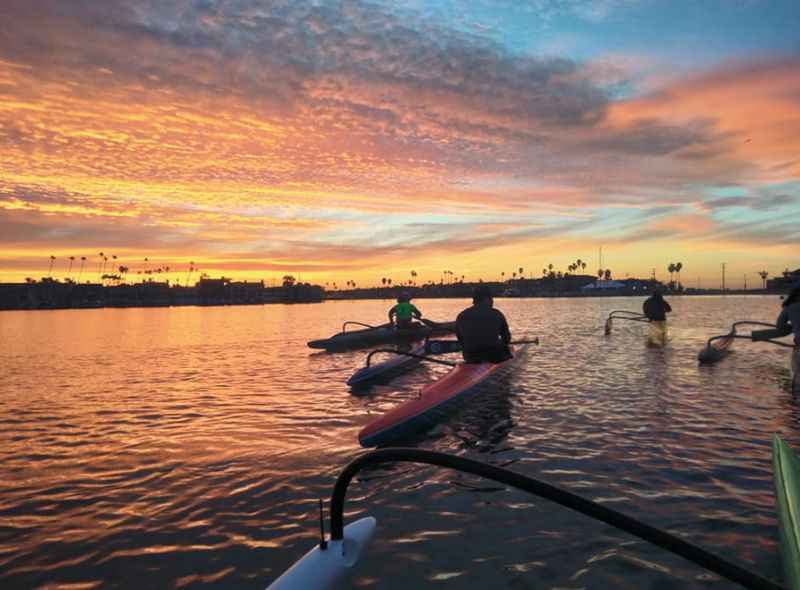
(187, 448)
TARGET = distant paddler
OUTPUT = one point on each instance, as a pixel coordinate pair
(655, 309)
(789, 318)
(483, 330)
(402, 315)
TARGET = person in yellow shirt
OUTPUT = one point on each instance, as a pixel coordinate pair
(402, 315)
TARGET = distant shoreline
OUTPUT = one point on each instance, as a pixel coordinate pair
(344, 296)
(48, 293)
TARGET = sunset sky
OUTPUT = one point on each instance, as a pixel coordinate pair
(359, 140)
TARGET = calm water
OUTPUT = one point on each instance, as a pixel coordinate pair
(187, 447)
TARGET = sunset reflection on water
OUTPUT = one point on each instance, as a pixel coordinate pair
(187, 447)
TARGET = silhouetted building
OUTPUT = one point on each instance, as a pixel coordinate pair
(785, 282)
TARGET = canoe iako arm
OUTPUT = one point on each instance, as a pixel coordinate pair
(753, 337)
(663, 539)
(351, 323)
(411, 354)
(751, 323)
(618, 313)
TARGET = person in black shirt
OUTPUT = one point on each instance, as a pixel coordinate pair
(482, 330)
(655, 308)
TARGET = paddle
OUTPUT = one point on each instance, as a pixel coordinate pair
(450, 346)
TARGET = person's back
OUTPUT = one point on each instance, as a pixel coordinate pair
(403, 314)
(655, 308)
(790, 314)
(483, 331)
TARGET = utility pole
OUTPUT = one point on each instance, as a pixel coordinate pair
(723, 276)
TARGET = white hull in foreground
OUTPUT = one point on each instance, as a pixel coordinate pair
(321, 569)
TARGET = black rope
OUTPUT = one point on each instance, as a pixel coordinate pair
(665, 540)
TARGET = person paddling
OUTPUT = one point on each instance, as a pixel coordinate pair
(482, 330)
(402, 315)
(655, 308)
(789, 318)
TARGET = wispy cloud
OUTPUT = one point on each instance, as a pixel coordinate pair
(322, 132)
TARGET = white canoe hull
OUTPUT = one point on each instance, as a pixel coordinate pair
(321, 569)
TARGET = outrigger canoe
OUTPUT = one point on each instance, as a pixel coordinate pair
(718, 347)
(786, 476)
(434, 402)
(377, 335)
(383, 371)
(328, 564)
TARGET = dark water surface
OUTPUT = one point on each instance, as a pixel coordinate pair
(187, 447)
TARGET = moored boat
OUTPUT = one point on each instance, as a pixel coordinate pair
(434, 401)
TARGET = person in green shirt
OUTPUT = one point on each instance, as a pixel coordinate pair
(402, 315)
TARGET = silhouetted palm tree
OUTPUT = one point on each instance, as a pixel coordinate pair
(671, 269)
(69, 270)
(763, 274)
(678, 267)
(100, 266)
(50, 270)
(80, 272)
(607, 273)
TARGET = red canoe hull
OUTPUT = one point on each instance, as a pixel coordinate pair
(434, 402)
